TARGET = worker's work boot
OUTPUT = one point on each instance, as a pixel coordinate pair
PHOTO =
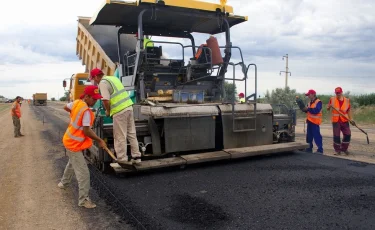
(337, 153)
(346, 152)
(60, 185)
(137, 160)
(124, 161)
(319, 152)
(308, 150)
(87, 204)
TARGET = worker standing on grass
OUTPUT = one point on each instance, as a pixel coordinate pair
(313, 120)
(118, 105)
(16, 117)
(339, 122)
(77, 138)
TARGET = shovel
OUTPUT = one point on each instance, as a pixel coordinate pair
(126, 166)
(351, 121)
(110, 153)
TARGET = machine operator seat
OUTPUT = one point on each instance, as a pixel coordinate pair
(204, 56)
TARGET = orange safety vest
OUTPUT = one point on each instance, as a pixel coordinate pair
(74, 139)
(16, 113)
(314, 118)
(344, 109)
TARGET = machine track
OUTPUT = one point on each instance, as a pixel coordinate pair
(291, 191)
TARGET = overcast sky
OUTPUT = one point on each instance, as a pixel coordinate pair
(329, 42)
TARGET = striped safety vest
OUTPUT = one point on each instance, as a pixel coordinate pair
(120, 99)
(314, 118)
(344, 109)
(74, 138)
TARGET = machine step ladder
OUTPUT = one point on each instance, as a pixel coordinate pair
(252, 118)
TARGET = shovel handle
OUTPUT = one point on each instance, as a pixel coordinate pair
(368, 141)
(110, 153)
(341, 113)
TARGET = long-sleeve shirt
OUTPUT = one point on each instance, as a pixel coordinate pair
(317, 108)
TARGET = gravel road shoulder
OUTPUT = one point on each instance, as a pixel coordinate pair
(29, 197)
(359, 149)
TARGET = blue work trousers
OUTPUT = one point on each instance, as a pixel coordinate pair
(313, 133)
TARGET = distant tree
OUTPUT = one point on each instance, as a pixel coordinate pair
(230, 91)
(53, 99)
(1, 96)
(268, 95)
(66, 95)
(284, 96)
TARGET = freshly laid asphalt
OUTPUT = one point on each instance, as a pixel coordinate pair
(288, 191)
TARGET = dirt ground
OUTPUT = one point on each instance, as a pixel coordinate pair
(29, 196)
(359, 149)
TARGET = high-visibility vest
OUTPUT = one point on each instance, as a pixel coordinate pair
(344, 109)
(17, 111)
(242, 100)
(314, 118)
(147, 43)
(120, 99)
(74, 138)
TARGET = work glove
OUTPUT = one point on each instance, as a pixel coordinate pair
(300, 104)
(352, 123)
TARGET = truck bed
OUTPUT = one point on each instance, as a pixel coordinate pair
(97, 45)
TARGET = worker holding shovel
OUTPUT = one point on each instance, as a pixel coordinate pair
(341, 117)
(77, 138)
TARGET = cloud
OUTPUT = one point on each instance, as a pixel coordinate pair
(327, 41)
(27, 79)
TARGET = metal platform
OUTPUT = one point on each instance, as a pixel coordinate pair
(226, 154)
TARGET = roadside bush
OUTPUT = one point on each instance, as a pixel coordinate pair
(284, 96)
(364, 100)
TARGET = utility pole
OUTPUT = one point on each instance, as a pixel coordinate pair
(286, 71)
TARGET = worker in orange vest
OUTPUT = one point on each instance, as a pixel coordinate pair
(314, 120)
(339, 122)
(16, 116)
(77, 138)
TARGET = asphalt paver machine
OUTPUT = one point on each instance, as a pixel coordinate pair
(181, 112)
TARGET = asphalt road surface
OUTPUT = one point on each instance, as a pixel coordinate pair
(289, 191)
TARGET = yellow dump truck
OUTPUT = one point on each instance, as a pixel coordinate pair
(76, 85)
(40, 99)
(180, 110)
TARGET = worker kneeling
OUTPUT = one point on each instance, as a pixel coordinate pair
(314, 120)
(118, 105)
(77, 138)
